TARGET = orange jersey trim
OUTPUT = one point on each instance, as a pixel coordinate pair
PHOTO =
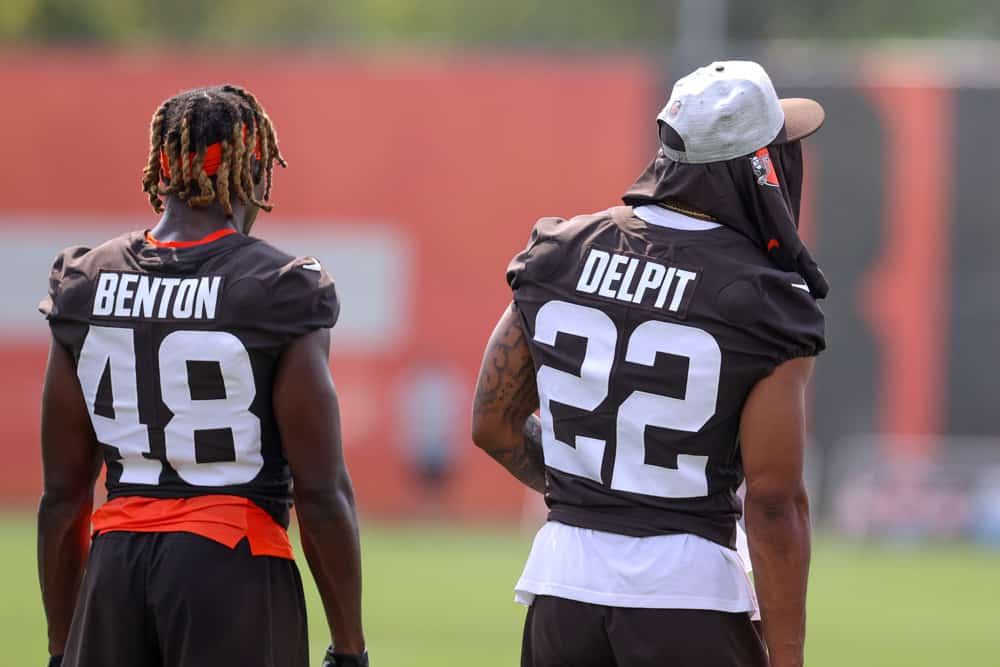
(223, 519)
(214, 236)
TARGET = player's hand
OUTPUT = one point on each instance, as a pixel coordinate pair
(55, 661)
(344, 660)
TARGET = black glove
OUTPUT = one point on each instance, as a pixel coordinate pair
(55, 661)
(344, 660)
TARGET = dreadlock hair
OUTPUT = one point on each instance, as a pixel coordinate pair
(186, 125)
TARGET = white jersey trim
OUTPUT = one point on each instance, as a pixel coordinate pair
(663, 217)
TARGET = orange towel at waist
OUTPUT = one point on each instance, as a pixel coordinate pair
(224, 519)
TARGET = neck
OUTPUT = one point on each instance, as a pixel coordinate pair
(181, 222)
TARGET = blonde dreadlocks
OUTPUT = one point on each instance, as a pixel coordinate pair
(228, 123)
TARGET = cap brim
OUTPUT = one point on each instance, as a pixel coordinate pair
(802, 118)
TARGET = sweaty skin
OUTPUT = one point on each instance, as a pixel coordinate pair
(773, 441)
(503, 423)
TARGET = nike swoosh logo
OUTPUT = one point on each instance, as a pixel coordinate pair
(312, 267)
(801, 286)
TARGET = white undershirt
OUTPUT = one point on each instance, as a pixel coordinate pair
(680, 571)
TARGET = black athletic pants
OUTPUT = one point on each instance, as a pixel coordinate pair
(566, 633)
(180, 600)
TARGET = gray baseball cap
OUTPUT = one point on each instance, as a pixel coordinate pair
(730, 109)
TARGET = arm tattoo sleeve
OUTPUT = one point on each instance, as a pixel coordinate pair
(506, 397)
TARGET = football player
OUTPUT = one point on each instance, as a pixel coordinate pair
(667, 345)
(192, 360)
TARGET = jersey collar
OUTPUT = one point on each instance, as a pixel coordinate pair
(662, 217)
(214, 236)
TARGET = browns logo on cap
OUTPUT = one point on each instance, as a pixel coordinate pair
(763, 168)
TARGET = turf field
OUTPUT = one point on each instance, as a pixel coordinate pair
(442, 596)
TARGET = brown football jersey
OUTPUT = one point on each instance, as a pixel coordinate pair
(176, 352)
(647, 341)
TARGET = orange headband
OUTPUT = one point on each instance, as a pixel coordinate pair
(213, 156)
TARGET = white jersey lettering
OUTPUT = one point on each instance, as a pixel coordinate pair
(139, 296)
(634, 280)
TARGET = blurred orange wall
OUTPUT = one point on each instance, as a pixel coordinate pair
(457, 157)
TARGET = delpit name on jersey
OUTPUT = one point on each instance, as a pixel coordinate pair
(138, 295)
(637, 280)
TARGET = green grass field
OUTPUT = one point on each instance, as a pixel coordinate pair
(442, 596)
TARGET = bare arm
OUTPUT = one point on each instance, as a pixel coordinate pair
(772, 433)
(70, 463)
(308, 415)
(506, 396)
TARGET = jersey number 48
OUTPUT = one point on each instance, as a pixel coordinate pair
(111, 350)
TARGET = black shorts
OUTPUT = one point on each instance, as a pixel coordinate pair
(566, 633)
(177, 599)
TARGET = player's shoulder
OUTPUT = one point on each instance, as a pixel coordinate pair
(76, 267)
(564, 229)
(262, 262)
(256, 252)
(773, 305)
(554, 241)
(267, 281)
(90, 260)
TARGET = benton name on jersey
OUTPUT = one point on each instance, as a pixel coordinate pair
(136, 295)
(177, 350)
(646, 342)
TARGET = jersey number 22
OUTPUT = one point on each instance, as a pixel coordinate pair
(640, 409)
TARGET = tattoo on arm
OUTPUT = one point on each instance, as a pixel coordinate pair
(506, 397)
